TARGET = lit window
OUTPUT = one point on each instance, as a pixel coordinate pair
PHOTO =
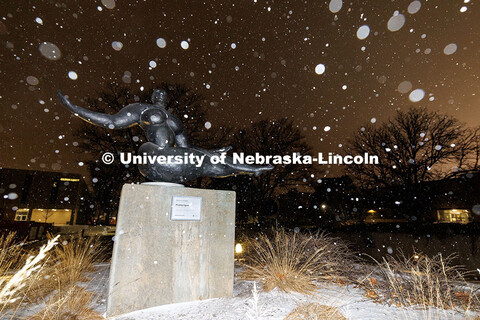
(21, 215)
(453, 216)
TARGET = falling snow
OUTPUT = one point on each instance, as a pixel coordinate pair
(335, 5)
(184, 44)
(363, 32)
(404, 86)
(50, 51)
(414, 7)
(117, 45)
(396, 22)
(450, 49)
(109, 4)
(416, 95)
(161, 43)
(319, 69)
(72, 75)
(33, 81)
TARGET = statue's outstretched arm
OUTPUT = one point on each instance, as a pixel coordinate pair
(127, 117)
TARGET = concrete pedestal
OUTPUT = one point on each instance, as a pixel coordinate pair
(159, 261)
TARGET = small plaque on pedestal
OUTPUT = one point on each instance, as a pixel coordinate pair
(186, 208)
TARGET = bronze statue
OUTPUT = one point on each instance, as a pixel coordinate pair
(166, 137)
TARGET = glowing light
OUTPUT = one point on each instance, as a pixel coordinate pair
(238, 248)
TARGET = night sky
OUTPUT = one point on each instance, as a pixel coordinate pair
(250, 59)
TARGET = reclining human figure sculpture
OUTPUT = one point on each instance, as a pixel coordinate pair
(166, 137)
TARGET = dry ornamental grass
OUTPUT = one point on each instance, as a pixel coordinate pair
(59, 282)
(72, 304)
(11, 254)
(422, 281)
(14, 287)
(315, 311)
(297, 262)
(50, 277)
(68, 266)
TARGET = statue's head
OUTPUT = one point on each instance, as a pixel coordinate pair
(159, 96)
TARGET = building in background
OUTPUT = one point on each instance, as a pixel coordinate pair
(454, 216)
(45, 197)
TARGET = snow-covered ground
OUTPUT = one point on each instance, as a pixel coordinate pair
(273, 305)
(270, 305)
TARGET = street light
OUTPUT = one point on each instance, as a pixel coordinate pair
(238, 248)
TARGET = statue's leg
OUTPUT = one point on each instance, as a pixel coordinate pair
(182, 172)
(228, 167)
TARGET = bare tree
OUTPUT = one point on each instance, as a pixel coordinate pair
(468, 158)
(415, 146)
(257, 195)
